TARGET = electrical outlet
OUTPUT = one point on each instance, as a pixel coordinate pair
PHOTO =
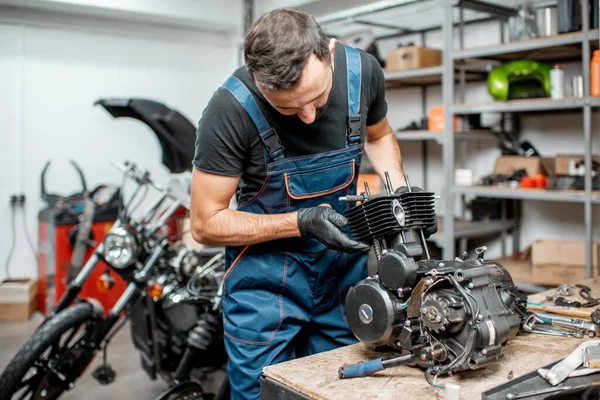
(17, 199)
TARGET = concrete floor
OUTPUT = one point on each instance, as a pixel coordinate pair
(131, 381)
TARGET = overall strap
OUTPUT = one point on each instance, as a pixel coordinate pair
(268, 136)
(353, 66)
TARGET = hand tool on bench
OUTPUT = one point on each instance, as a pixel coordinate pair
(594, 316)
(588, 328)
(534, 324)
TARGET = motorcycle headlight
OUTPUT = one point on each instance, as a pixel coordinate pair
(120, 248)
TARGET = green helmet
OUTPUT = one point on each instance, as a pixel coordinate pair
(521, 79)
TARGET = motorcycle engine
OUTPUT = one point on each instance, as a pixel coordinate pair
(445, 316)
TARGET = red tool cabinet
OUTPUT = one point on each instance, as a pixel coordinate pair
(54, 259)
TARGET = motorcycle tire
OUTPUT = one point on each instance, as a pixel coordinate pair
(15, 378)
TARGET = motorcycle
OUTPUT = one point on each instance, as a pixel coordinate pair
(172, 302)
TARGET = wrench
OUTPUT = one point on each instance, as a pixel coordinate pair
(554, 332)
(531, 325)
(590, 328)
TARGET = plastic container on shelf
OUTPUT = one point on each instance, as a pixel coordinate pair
(557, 82)
(595, 74)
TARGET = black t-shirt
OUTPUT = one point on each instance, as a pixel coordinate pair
(227, 141)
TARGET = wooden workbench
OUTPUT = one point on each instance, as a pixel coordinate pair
(317, 376)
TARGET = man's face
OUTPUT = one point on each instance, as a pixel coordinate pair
(308, 100)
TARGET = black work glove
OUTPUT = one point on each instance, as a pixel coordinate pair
(430, 230)
(325, 225)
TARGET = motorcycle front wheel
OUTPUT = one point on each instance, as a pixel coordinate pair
(53, 358)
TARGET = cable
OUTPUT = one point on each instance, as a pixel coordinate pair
(428, 378)
(28, 236)
(13, 241)
(136, 206)
(121, 196)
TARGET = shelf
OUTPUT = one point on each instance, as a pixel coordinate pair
(595, 101)
(473, 229)
(439, 136)
(475, 70)
(559, 47)
(570, 196)
(528, 105)
(414, 77)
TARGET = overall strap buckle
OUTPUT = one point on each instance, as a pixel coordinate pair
(354, 128)
(272, 144)
(353, 64)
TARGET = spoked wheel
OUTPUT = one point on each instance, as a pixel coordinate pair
(53, 358)
(186, 391)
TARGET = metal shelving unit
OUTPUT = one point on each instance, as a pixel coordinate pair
(560, 47)
(567, 196)
(501, 51)
(533, 105)
(438, 137)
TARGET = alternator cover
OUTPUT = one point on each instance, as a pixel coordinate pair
(371, 313)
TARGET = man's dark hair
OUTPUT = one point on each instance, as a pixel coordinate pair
(278, 45)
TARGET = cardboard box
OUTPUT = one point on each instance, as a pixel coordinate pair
(565, 164)
(412, 57)
(436, 122)
(507, 165)
(18, 299)
(561, 252)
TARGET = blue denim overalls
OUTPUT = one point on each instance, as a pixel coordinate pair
(286, 298)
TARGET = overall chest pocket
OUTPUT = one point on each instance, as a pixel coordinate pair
(319, 182)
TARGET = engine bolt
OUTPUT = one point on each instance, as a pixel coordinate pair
(43, 393)
(407, 323)
(428, 282)
(400, 291)
(470, 285)
(484, 351)
(480, 318)
(441, 265)
(438, 318)
(424, 310)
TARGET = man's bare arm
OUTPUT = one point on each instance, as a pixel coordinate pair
(213, 223)
(384, 152)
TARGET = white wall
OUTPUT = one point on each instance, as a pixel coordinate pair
(50, 75)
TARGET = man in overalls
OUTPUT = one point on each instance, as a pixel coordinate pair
(287, 131)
